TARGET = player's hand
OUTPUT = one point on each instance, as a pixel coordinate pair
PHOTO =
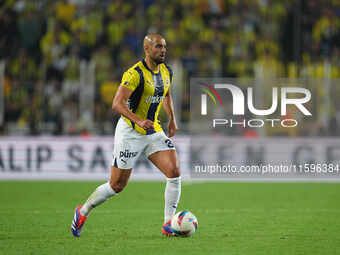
(145, 124)
(172, 128)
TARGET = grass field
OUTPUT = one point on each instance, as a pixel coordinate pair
(234, 218)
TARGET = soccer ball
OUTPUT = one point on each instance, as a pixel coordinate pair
(184, 223)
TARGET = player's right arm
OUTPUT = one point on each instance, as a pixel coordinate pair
(129, 83)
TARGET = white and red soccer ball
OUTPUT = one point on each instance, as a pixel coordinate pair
(184, 223)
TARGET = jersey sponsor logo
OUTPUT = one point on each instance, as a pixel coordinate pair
(127, 154)
(154, 99)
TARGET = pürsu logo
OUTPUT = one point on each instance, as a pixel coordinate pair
(127, 154)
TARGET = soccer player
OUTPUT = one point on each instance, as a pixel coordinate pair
(144, 89)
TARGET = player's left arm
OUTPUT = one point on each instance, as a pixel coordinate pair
(168, 106)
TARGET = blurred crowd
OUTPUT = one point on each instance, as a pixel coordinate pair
(44, 42)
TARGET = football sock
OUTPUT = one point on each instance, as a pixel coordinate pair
(171, 196)
(100, 195)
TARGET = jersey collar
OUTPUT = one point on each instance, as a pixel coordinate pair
(146, 66)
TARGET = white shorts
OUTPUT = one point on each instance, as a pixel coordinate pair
(129, 145)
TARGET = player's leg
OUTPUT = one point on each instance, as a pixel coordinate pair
(123, 161)
(167, 162)
(118, 180)
(162, 153)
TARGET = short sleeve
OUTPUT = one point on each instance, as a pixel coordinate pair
(130, 79)
(171, 72)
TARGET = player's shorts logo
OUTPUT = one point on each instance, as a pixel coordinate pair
(127, 154)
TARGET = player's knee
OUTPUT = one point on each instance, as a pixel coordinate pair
(174, 172)
(117, 186)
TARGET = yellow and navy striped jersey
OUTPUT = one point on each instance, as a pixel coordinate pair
(149, 89)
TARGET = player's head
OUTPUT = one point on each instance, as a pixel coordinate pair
(155, 48)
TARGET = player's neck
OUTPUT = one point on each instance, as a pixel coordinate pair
(152, 64)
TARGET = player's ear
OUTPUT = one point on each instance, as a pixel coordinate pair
(146, 47)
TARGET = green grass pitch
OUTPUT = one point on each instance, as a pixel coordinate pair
(234, 218)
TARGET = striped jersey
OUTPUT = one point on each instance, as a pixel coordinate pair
(149, 89)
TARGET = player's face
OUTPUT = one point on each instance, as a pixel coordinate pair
(158, 50)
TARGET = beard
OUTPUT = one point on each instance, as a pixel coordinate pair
(158, 60)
